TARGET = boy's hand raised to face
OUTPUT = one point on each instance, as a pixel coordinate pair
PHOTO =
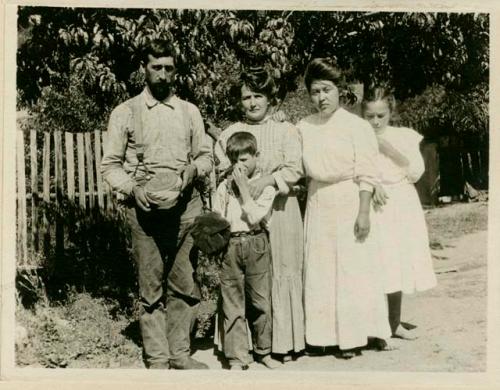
(241, 180)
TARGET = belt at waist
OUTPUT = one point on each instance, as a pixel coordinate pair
(247, 233)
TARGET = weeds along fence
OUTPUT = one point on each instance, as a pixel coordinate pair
(69, 227)
(61, 169)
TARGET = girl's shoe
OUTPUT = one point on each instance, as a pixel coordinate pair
(383, 345)
(405, 334)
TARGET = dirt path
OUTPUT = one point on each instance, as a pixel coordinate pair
(451, 321)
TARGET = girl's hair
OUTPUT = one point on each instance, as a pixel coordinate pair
(240, 143)
(323, 69)
(376, 93)
(256, 79)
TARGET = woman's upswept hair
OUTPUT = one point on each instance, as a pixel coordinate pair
(375, 93)
(240, 143)
(324, 69)
(256, 79)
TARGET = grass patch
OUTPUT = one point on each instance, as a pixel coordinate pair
(455, 220)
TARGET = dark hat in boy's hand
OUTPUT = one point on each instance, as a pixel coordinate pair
(211, 232)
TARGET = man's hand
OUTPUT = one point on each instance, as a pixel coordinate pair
(257, 186)
(141, 198)
(212, 130)
(379, 197)
(362, 227)
(188, 173)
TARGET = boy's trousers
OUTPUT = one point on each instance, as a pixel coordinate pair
(246, 294)
(169, 295)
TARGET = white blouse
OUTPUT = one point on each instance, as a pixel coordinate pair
(407, 142)
(342, 148)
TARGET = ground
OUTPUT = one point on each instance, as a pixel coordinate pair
(450, 319)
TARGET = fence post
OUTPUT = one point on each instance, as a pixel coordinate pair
(97, 152)
(70, 164)
(90, 171)
(22, 232)
(34, 191)
(107, 188)
(46, 189)
(81, 170)
(58, 173)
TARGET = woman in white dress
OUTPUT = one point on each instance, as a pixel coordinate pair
(400, 219)
(344, 299)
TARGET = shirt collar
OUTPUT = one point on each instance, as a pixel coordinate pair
(171, 101)
(267, 118)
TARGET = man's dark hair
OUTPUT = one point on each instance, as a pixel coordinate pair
(158, 48)
(240, 143)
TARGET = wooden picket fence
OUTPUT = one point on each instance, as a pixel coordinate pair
(447, 169)
(56, 168)
(70, 170)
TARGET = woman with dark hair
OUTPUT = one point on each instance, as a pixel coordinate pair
(343, 293)
(281, 167)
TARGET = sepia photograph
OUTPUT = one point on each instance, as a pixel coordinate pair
(272, 190)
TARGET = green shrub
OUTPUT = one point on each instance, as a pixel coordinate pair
(82, 332)
(438, 111)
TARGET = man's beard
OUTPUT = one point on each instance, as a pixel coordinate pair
(160, 91)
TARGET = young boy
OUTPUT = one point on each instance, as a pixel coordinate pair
(246, 268)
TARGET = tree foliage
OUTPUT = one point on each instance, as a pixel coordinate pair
(94, 51)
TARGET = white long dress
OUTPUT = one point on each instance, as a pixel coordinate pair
(401, 224)
(344, 299)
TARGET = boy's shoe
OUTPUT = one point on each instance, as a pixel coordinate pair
(187, 363)
(159, 366)
(268, 361)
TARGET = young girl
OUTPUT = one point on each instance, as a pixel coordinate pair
(400, 219)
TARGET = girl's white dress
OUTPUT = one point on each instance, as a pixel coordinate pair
(402, 229)
(344, 299)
